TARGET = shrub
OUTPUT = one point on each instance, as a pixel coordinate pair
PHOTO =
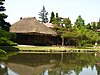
(82, 42)
(8, 35)
(2, 51)
(5, 42)
(88, 45)
(6, 38)
(98, 44)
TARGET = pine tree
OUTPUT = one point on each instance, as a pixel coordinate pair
(43, 15)
(79, 22)
(3, 24)
(52, 17)
(57, 15)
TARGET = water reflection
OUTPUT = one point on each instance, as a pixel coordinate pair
(3, 67)
(51, 64)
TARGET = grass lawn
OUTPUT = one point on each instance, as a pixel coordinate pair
(49, 48)
(42, 48)
(54, 48)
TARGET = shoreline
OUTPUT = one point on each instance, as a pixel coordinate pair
(50, 49)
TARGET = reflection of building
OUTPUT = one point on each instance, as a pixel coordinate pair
(28, 70)
(31, 31)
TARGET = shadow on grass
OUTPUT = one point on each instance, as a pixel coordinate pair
(9, 48)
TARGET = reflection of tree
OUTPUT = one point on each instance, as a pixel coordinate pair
(74, 62)
(98, 69)
(3, 71)
(7, 55)
(63, 63)
(3, 57)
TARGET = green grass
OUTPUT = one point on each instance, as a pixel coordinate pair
(42, 48)
(47, 48)
(54, 48)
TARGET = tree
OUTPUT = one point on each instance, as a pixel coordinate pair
(67, 22)
(5, 36)
(3, 24)
(88, 26)
(98, 25)
(94, 27)
(79, 22)
(57, 15)
(43, 15)
(52, 17)
(92, 36)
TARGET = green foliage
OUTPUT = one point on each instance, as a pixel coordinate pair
(88, 45)
(43, 15)
(73, 34)
(67, 22)
(94, 27)
(56, 21)
(57, 15)
(71, 37)
(6, 37)
(2, 51)
(92, 36)
(82, 42)
(98, 26)
(79, 22)
(52, 17)
(88, 26)
(89, 35)
(79, 35)
(5, 42)
(6, 55)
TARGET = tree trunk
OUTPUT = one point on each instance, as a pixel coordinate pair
(62, 41)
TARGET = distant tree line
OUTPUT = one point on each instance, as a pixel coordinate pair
(78, 34)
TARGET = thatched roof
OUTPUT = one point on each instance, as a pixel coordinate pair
(30, 25)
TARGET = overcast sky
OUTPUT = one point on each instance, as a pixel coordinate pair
(88, 9)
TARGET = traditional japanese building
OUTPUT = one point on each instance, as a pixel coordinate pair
(31, 31)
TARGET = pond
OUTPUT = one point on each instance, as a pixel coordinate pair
(50, 64)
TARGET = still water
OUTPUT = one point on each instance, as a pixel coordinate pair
(50, 64)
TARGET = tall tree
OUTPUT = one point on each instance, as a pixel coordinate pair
(3, 24)
(79, 22)
(57, 15)
(52, 17)
(43, 15)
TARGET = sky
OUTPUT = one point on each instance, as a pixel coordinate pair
(88, 9)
